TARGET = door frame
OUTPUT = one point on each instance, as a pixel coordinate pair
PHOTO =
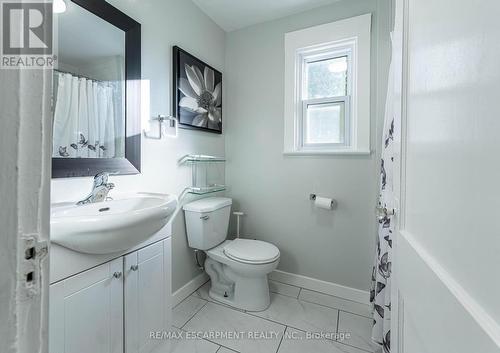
(25, 152)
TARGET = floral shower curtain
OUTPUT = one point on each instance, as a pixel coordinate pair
(84, 118)
(380, 295)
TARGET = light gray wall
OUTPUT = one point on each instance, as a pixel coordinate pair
(274, 189)
(165, 23)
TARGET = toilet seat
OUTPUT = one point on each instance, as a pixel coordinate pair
(251, 251)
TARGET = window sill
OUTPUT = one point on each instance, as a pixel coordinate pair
(328, 153)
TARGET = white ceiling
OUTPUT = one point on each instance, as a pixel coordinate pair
(236, 14)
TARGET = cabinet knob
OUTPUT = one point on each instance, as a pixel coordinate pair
(117, 274)
(134, 267)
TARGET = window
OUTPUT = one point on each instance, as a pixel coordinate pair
(325, 98)
(327, 87)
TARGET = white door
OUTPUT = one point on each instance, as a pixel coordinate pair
(147, 296)
(86, 311)
(447, 284)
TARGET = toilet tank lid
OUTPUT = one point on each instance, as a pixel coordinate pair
(208, 204)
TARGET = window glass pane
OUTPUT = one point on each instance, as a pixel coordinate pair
(325, 123)
(326, 78)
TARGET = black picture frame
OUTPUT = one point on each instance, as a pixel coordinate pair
(131, 163)
(183, 115)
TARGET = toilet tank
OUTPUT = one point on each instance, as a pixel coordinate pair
(207, 221)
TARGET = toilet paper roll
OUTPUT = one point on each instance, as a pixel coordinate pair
(324, 202)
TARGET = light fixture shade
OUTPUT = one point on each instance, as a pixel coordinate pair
(59, 6)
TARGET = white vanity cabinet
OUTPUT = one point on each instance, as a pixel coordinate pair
(86, 311)
(147, 284)
(113, 307)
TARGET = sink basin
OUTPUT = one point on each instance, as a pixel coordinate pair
(110, 226)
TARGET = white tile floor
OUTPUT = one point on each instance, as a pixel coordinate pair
(293, 314)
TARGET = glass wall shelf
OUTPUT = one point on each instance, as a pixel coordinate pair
(205, 189)
(205, 174)
(200, 158)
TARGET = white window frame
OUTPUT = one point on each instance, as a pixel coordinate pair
(350, 37)
(310, 55)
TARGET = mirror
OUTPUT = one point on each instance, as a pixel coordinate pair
(96, 91)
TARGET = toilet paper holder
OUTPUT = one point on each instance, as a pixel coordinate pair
(333, 204)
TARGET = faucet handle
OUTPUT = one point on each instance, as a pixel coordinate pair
(101, 178)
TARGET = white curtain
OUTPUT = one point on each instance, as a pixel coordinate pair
(380, 295)
(84, 118)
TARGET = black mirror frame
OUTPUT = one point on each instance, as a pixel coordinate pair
(131, 164)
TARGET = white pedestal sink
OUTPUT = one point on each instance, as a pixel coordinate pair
(110, 226)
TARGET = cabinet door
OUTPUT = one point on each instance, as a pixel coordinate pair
(147, 296)
(86, 311)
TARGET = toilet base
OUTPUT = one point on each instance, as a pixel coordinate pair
(258, 302)
(239, 288)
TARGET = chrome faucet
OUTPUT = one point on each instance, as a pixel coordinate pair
(100, 189)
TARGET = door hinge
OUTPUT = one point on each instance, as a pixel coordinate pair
(33, 252)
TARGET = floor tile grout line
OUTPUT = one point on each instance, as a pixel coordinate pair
(190, 294)
(325, 306)
(338, 322)
(350, 312)
(256, 316)
(249, 313)
(229, 349)
(204, 339)
(269, 320)
(266, 319)
(197, 311)
(288, 284)
(281, 340)
(300, 329)
(282, 324)
(279, 323)
(333, 307)
(351, 346)
(326, 294)
(218, 344)
(286, 295)
(221, 345)
(235, 310)
(336, 296)
(334, 341)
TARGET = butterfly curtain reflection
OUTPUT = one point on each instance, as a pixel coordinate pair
(380, 295)
(84, 118)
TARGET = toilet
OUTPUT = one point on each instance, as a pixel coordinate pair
(237, 268)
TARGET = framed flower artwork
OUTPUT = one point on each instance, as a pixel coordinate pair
(197, 93)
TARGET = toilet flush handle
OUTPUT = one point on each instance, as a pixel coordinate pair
(205, 218)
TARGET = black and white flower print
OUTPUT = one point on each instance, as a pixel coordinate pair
(380, 294)
(63, 151)
(82, 143)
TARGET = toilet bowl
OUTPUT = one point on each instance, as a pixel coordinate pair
(246, 274)
(237, 268)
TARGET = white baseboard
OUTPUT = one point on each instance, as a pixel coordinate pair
(186, 290)
(317, 285)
